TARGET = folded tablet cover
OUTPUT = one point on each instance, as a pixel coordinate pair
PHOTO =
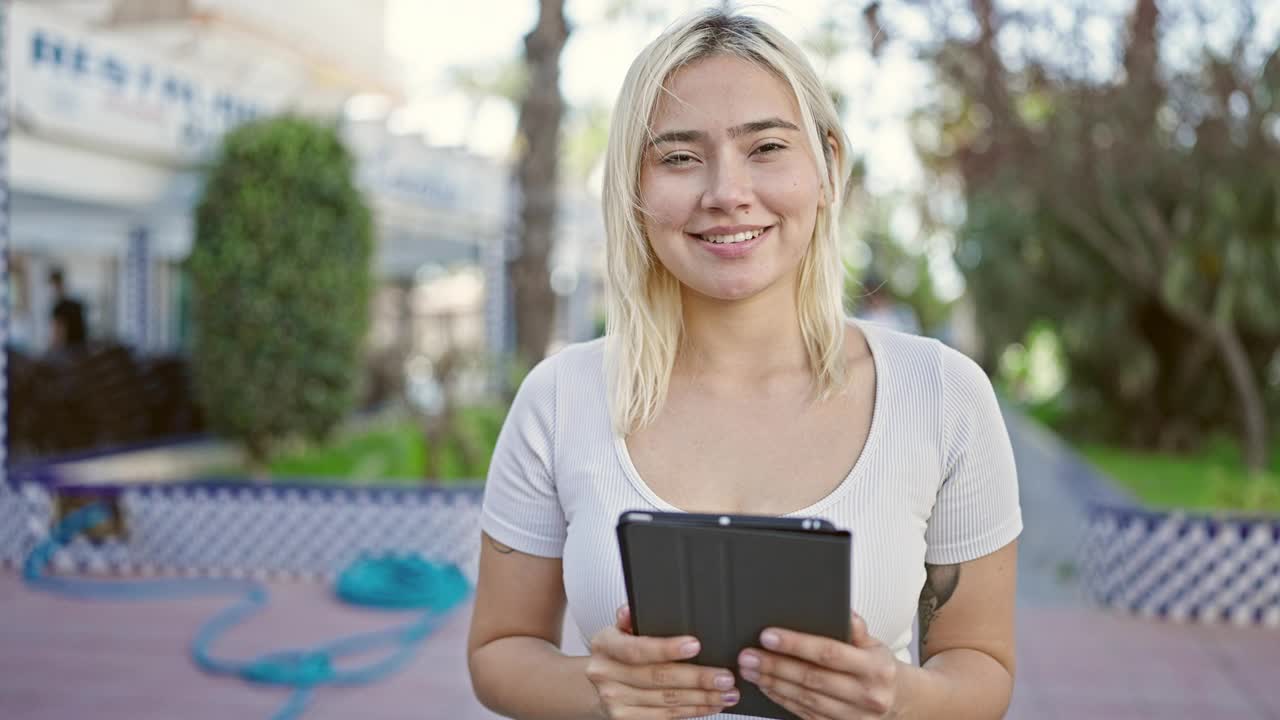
(724, 585)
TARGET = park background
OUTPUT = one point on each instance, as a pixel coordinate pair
(316, 244)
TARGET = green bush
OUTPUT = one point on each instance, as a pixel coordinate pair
(1133, 210)
(281, 282)
(396, 453)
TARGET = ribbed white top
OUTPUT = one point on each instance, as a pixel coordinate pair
(935, 482)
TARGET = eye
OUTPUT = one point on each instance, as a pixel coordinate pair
(770, 147)
(678, 159)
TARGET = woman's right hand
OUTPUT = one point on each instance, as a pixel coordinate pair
(642, 677)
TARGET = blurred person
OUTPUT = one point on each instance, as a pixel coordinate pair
(730, 381)
(879, 306)
(69, 331)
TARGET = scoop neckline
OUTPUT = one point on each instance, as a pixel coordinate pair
(818, 506)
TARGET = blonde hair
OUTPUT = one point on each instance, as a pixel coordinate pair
(644, 314)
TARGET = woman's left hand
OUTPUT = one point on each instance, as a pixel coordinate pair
(819, 678)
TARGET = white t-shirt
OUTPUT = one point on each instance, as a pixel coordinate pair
(935, 482)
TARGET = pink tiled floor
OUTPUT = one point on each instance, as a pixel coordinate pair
(128, 661)
(62, 659)
(1076, 663)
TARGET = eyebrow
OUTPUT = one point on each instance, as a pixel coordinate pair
(677, 136)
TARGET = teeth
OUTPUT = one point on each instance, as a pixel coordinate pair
(736, 238)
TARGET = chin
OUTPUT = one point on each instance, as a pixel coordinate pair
(731, 292)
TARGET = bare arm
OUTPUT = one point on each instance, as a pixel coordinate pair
(513, 650)
(966, 641)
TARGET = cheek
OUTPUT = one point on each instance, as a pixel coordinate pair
(666, 205)
(797, 200)
(789, 188)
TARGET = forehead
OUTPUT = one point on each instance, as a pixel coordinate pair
(722, 91)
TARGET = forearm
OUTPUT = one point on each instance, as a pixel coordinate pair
(528, 678)
(960, 684)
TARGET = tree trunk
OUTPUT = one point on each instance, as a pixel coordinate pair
(538, 143)
(1240, 374)
(257, 460)
(1253, 415)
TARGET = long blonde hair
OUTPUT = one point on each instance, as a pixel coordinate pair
(644, 315)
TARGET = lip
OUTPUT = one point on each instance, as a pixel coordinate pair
(729, 229)
(735, 250)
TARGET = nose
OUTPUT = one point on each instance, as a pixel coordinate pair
(728, 185)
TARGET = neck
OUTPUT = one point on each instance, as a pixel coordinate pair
(750, 339)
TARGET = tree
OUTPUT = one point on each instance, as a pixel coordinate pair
(1137, 211)
(281, 282)
(505, 81)
(538, 149)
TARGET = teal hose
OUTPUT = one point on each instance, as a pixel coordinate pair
(389, 582)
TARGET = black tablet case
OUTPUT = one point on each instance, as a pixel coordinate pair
(724, 584)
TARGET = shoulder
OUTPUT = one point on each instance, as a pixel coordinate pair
(581, 356)
(905, 355)
(925, 354)
(964, 382)
(572, 362)
(572, 359)
(948, 386)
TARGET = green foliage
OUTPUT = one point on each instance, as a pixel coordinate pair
(384, 454)
(1212, 479)
(281, 282)
(397, 453)
(507, 79)
(1135, 214)
(901, 264)
(586, 137)
(1032, 370)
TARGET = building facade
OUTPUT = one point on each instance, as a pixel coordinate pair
(115, 104)
(111, 115)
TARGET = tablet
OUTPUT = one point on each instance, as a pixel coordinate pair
(724, 578)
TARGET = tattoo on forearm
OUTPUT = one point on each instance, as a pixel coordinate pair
(499, 546)
(940, 583)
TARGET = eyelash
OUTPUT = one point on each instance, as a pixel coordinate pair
(680, 159)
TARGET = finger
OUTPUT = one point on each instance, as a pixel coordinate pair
(796, 708)
(639, 650)
(860, 634)
(685, 712)
(624, 620)
(694, 712)
(676, 697)
(821, 651)
(678, 675)
(815, 703)
(762, 668)
(702, 711)
(778, 671)
(634, 712)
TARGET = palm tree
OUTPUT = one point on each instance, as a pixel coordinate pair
(538, 148)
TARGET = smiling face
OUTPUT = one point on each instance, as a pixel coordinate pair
(730, 186)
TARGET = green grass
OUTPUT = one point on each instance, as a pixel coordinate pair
(396, 454)
(391, 455)
(1213, 479)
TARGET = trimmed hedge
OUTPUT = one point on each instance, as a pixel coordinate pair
(281, 281)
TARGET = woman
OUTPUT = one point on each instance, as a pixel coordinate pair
(730, 381)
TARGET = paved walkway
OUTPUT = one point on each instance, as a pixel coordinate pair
(1077, 661)
(1076, 664)
(60, 658)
